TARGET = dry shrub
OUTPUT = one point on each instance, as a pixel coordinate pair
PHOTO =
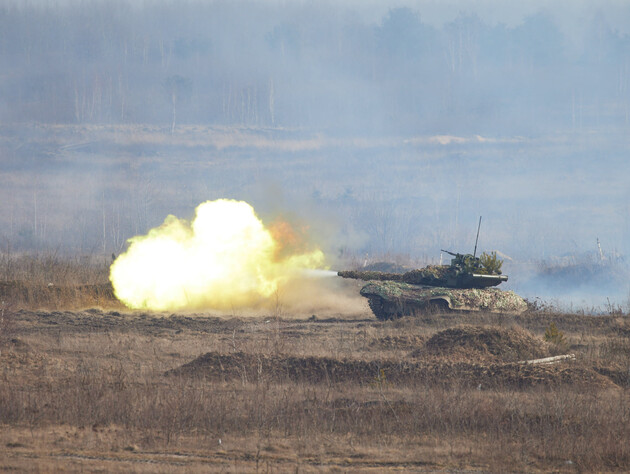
(556, 337)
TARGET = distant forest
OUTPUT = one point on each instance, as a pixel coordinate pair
(307, 66)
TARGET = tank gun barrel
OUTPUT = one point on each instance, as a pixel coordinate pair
(450, 253)
(433, 275)
(370, 275)
(489, 280)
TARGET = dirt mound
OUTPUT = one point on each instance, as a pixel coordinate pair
(259, 368)
(486, 343)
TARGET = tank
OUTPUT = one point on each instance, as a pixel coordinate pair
(464, 285)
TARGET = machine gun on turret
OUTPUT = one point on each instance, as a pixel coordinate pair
(465, 261)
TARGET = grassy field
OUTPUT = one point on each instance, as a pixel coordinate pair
(89, 386)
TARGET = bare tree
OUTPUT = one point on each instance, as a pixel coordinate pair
(177, 89)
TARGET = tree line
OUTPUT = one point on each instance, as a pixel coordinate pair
(276, 65)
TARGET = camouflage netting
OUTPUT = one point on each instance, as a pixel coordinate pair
(483, 343)
(489, 299)
(432, 274)
(370, 275)
(386, 267)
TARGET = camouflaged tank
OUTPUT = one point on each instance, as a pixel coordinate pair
(464, 285)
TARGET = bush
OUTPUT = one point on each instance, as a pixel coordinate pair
(555, 336)
(491, 263)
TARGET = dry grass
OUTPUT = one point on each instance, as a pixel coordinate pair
(53, 281)
(7, 323)
(103, 390)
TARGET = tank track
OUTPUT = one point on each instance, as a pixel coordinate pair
(385, 311)
(378, 308)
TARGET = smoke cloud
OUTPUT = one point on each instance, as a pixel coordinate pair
(225, 258)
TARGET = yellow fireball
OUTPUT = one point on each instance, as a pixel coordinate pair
(225, 258)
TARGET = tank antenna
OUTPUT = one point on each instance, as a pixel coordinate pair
(477, 240)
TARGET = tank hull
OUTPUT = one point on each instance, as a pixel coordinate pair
(394, 299)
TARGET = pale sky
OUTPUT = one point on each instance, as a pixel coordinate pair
(568, 13)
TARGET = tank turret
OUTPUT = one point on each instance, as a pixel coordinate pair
(465, 271)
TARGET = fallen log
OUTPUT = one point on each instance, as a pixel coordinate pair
(549, 360)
